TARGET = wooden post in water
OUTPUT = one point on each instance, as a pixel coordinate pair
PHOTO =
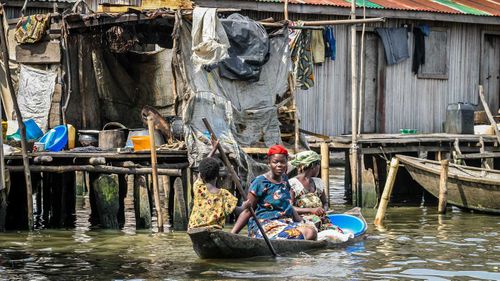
(443, 187)
(325, 172)
(180, 217)
(386, 195)
(141, 203)
(154, 173)
(106, 191)
(22, 128)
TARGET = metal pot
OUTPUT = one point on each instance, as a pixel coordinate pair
(112, 138)
(88, 137)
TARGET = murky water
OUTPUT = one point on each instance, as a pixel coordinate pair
(416, 244)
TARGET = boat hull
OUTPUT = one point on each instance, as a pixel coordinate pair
(466, 188)
(209, 243)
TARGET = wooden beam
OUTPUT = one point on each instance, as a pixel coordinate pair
(47, 52)
(480, 155)
(95, 169)
(37, 4)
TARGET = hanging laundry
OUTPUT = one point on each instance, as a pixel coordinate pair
(330, 43)
(303, 61)
(31, 29)
(209, 39)
(318, 46)
(418, 49)
(294, 33)
(395, 41)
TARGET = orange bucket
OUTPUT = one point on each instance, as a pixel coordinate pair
(141, 143)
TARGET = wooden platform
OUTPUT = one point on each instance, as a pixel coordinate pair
(398, 143)
(376, 150)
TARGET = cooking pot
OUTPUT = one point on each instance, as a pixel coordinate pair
(88, 137)
(112, 138)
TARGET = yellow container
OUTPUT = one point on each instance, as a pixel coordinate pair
(4, 128)
(141, 143)
(71, 136)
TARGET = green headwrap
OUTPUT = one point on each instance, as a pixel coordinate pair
(305, 158)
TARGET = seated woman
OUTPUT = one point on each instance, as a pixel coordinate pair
(211, 204)
(270, 195)
(308, 192)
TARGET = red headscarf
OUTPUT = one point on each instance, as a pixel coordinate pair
(277, 149)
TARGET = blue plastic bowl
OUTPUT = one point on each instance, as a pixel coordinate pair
(349, 223)
(56, 139)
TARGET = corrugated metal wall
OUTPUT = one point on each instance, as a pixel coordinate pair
(409, 102)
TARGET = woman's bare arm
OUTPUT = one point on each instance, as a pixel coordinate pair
(245, 215)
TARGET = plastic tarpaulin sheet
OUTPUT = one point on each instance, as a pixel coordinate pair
(251, 115)
(35, 94)
(249, 49)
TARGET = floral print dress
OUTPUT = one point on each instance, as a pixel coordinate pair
(274, 210)
(306, 199)
(210, 209)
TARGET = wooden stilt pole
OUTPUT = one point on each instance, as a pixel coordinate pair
(488, 113)
(443, 187)
(154, 174)
(354, 112)
(386, 195)
(325, 169)
(286, 10)
(22, 128)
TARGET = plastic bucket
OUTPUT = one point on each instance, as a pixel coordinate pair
(349, 223)
(141, 143)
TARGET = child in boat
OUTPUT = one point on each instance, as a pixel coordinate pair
(211, 204)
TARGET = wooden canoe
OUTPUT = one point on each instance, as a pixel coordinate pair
(468, 187)
(209, 243)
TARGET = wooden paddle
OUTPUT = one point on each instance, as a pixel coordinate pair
(237, 182)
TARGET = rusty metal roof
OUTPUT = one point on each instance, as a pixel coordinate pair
(459, 7)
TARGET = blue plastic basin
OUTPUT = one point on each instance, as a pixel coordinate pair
(56, 139)
(349, 223)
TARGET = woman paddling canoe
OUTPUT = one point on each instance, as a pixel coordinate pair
(270, 195)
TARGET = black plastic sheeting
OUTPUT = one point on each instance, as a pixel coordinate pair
(249, 49)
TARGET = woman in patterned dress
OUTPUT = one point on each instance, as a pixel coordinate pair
(308, 192)
(269, 194)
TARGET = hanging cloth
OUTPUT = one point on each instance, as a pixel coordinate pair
(209, 40)
(31, 29)
(303, 61)
(419, 34)
(395, 41)
(330, 43)
(318, 46)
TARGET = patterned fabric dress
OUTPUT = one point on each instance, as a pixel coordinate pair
(210, 209)
(274, 210)
(306, 199)
(31, 29)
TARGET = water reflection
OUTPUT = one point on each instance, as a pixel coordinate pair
(413, 244)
